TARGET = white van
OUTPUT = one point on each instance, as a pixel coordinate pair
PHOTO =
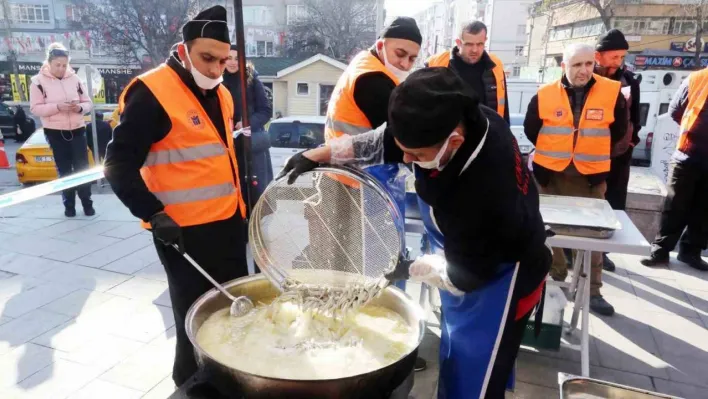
(293, 134)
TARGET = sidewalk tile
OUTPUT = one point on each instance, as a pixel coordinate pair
(687, 369)
(23, 329)
(26, 265)
(105, 390)
(16, 284)
(29, 244)
(145, 368)
(77, 302)
(163, 390)
(34, 298)
(630, 263)
(93, 229)
(22, 362)
(146, 323)
(115, 251)
(623, 344)
(85, 277)
(125, 230)
(540, 370)
(27, 222)
(660, 297)
(531, 391)
(154, 271)
(56, 230)
(103, 351)
(134, 262)
(4, 319)
(76, 250)
(58, 380)
(678, 336)
(699, 300)
(680, 389)
(140, 288)
(689, 278)
(622, 377)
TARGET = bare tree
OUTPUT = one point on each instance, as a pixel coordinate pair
(699, 10)
(605, 9)
(337, 28)
(133, 28)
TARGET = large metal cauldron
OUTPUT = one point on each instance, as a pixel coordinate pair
(376, 384)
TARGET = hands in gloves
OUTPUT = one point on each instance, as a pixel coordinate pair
(297, 165)
(167, 230)
(429, 269)
(401, 271)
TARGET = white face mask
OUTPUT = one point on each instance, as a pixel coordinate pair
(435, 163)
(204, 82)
(400, 74)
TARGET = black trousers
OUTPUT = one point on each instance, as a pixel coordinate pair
(220, 249)
(686, 207)
(70, 156)
(506, 355)
(618, 180)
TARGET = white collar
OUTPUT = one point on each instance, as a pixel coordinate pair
(476, 150)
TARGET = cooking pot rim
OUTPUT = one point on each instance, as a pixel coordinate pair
(191, 334)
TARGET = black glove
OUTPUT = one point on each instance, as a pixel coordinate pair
(297, 165)
(401, 271)
(167, 230)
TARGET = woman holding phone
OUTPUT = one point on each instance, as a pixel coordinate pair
(60, 100)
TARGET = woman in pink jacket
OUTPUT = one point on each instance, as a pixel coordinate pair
(59, 98)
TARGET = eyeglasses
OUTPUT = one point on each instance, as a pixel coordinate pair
(58, 53)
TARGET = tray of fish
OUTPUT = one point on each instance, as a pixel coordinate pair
(580, 217)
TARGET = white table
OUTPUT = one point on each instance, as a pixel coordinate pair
(627, 240)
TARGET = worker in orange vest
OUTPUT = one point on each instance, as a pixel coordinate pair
(686, 206)
(172, 163)
(482, 71)
(573, 122)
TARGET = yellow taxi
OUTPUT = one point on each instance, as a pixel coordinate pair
(34, 161)
(112, 120)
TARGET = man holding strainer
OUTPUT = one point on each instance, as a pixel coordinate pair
(490, 259)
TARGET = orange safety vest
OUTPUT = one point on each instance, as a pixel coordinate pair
(697, 95)
(343, 115)
(191, 171)
(588, 146)
(443, 60)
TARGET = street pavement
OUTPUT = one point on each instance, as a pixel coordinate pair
(85, 313)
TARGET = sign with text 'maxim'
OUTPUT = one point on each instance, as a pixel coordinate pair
(54, 186)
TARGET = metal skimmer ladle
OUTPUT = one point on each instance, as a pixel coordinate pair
(239, 306)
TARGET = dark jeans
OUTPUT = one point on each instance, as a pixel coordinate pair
(618, 181)
(219, 248)
(70, 156)
(686, 207)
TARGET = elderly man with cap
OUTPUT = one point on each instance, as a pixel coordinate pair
(172, 163)
(610, 51)
(489, 255)
(483, 71)
(574, 122)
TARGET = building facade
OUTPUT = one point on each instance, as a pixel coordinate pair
(507, 36)
(658, 31)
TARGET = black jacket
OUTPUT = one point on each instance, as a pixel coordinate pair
(144, 122)
(104, 134)
(259, 108)
(533, 124)
(489, 214)
(480, 77)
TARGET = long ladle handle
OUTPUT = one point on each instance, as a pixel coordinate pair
(205, 274)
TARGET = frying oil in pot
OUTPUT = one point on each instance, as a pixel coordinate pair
(280, 340)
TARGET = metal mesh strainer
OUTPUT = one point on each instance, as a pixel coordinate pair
(333, 228)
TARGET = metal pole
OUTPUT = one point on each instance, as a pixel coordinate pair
(251, 180)
(94, 131)
(12, 54)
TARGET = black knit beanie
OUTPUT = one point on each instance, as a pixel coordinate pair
(612, 40)
(403, 28)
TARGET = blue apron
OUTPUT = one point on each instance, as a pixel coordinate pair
(472, 326)
(395, 184)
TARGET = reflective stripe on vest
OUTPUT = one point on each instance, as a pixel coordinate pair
(191, 170)
(558, 144)
(343, 115)
(184, 154)
(697, 95)
(443, 60)
(195, 194)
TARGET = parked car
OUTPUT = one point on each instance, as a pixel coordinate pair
(11, 127)
(34, 161)
(293, 134)
(517, 128)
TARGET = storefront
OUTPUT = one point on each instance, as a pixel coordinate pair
(115, 79)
